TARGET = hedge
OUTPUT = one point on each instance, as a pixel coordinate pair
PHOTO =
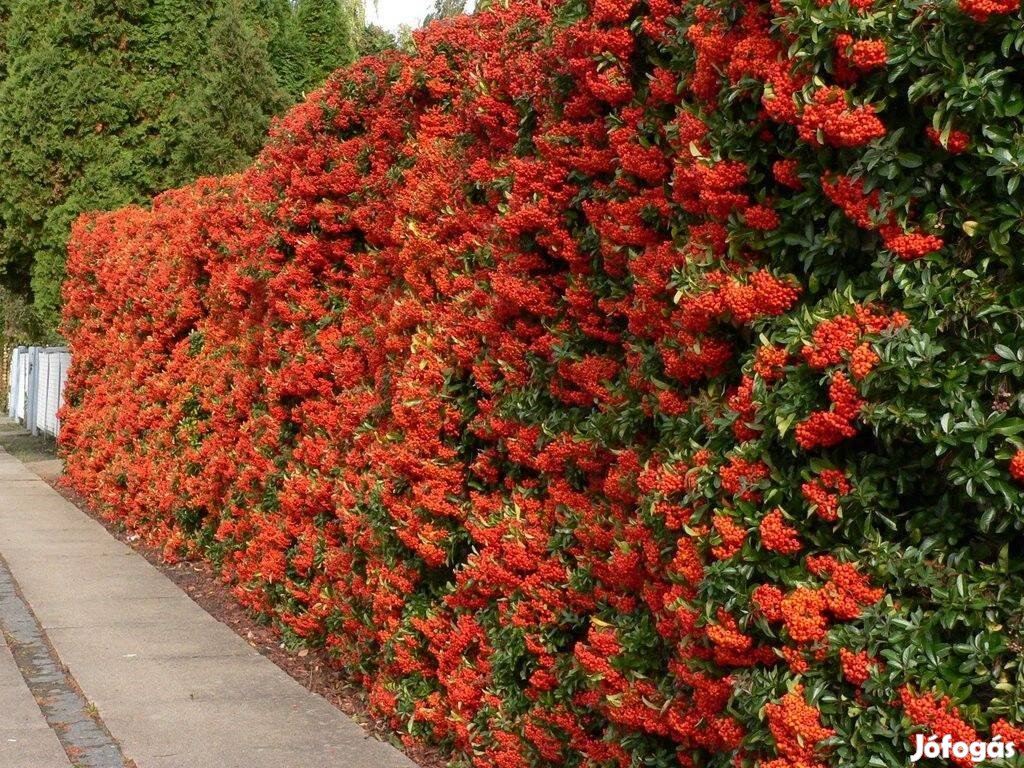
(604, 383)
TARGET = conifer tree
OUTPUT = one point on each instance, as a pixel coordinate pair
(107, 102)
(5, 15)
(174, 40)
(374, 40)
(6, 279)
(330, 28)
(444, 9)
(69, 131)
(225, 120)
(288, 49)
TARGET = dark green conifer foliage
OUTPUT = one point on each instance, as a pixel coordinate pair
(374, 40)
(108, 102)
(70, 133)
(288, 49)
(331, 29)
(226, 118)
(5, 15)
(174, 40)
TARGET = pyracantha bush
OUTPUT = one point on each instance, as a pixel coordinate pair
(604, 383)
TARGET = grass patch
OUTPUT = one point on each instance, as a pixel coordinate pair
(25, 447)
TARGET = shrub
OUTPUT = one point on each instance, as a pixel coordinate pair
(604, 383)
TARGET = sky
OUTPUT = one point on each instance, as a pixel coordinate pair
(391, 14)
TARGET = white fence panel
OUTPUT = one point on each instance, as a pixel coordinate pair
(36, 393)
(24, 377)
(13, 382)
(18, 383)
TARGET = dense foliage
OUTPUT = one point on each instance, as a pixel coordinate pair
(107, 103)
(329, 29)
(234, 94)
(19, 325)
(605, 382)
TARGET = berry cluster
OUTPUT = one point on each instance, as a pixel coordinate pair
(732, 537)
(864, 209)
(940, 717)
(776, 536)
(786, 172)
(761, 217)
(841, 338)
(825, 492)
(1017, 467)
(956, 143)
(828, 119)
(910, 245)
(797, 729)
(856, 57)
(982, 10)
(829, 428)
(770, 362)
(857, 667)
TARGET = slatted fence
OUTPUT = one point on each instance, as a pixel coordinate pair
(35, 387)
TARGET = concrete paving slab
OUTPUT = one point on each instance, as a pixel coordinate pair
(285, 758)
(175, 687)
(247, 733)
(12, 469)
(100, 614)
(23, 494)
(66, 711)
(150, 642)
(32, 750)
(110, 578)
(185, 678)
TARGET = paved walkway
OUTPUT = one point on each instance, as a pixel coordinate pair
(164, 684)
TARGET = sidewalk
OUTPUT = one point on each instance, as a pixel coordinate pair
(156, 674)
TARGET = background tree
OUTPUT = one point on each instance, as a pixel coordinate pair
(5, 15)
(106, 102)
(288, 49)
(225, 120)
(19, 324)
(172, 41)
(403, 38)
(69, 128)
(374, 40)
(331, 29)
